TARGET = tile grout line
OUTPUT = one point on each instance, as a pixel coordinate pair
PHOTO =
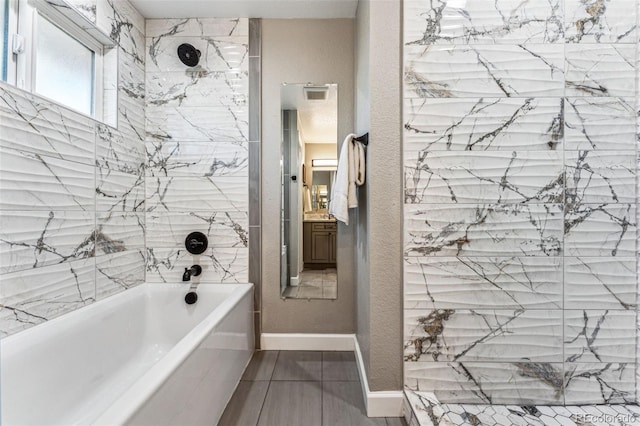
(264, 401)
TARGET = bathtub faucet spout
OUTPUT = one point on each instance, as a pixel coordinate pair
(194, 271)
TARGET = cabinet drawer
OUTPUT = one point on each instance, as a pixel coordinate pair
(323, 226)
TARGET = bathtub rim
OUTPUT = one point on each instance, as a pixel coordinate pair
(129, 402)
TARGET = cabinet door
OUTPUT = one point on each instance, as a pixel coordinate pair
(332, 248)
(321, 246)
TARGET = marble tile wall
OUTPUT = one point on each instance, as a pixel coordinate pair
(520, 200)
(72, 193)
(197, 142)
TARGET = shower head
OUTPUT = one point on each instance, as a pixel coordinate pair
(189, 55)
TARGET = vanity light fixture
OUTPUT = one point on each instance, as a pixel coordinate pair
(324, 162)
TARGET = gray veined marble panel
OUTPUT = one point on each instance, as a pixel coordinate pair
(488, 383)
(483, 282)
(33, 239)
(185, 194)
(482, 124)
(475, 22)
(119, 192)
(425, 409)
(600, 283)
(31, 297)
(224, 229)
(484, 70)
(600, 124)
(218, 53)
(197, 27)
(131, 101)
(483, 335)
(33, 124)
(599, 336)
(116, 152)
(119, 231)
(219, 265)
(484, 177)
(31, 181)
(600, 176)
(483, 230)
(596, 21)
(600, 230)
(599, 383)
(118, 272)
(230, 88)
(197, 159)
(600, 70)
(125, 25)
(217, 122)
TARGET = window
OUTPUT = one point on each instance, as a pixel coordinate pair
(53, 51)
(64, 68)
(4, 39)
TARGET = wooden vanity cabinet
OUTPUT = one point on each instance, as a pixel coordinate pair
(319, 244)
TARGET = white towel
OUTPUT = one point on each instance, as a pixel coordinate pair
(351, 172)
(307, 199)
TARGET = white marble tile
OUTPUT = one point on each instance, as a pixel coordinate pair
(483, 282)
(482, 124)
(116, 152)
(484, 177)
(201, 159)
(198, 27)
(500, 21)
(599, 336)
(87, 8)
(600, 283)
(217, 53)
(219, 265)
(125, 25)
(228, 88)
(484, 70)
(600, 176)
(600, 124)
(223, 229)
(118, 272)
(31, 181)
(119, 231)
(131, 101)
(186, 194)
(595, 21)
(483, 335)
(33, 124)
(600, 230)
(599, 383)
(484, 382)
(34, 296)
(33, 239)
(215, 123)
(600, 70)
(119, 192)
(483, 230)
(426, 409)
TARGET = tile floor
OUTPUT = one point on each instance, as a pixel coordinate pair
(315, 284)
(300, 388)
(425, 410)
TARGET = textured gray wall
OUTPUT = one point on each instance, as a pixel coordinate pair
(300, 51)
(379, 235)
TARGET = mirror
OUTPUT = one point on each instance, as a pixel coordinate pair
(309, 117)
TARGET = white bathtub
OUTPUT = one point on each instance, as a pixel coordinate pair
(141, 357)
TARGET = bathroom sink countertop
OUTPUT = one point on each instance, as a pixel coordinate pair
(320, 220)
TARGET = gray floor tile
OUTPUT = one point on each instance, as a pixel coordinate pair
(245, 405)
(396, 421)
(292, 403)
(342, 405)
(298, 365)
(340, 366)
(261, 366)
(308, 292)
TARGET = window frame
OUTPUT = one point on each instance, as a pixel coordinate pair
(26, 63)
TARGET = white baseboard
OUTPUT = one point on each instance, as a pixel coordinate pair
(294, 281)
(378, 403)
(306, 342)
